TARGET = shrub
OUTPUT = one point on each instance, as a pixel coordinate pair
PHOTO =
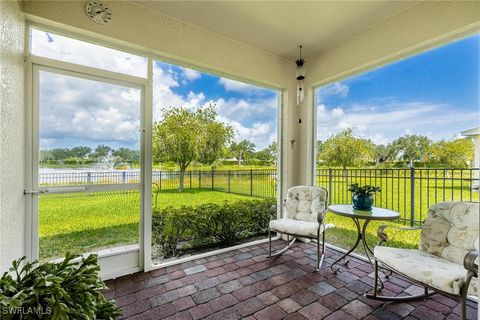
(169, 226)
(224, 223)
(260, 213)
(65, 290)
(229, 222)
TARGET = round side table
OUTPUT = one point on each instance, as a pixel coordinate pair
(346, 210)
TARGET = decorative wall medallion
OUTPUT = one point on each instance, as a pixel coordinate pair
(98, 12)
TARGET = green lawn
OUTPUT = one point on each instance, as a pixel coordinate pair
(219, 167)
(429, 187)
(345, 233)
(87, 222)
(261, 183)
(91, 221)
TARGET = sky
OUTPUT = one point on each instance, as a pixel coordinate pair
(250, 110)
(435, 93)
(85, 112)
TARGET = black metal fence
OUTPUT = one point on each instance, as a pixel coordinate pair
(254, 183)
(90, 177)
(409, 191)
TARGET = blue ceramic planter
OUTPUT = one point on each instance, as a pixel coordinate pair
(362, 202)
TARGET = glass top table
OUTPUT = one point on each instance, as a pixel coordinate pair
(346, 210)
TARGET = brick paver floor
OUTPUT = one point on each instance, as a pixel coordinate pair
(245, 284)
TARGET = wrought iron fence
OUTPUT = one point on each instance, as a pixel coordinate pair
(254, 183)
(409, 191)
(90, 177)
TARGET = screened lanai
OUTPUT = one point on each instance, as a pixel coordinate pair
(164, 137)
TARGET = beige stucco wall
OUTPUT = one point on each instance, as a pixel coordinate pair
(420, 27)
(12, 154)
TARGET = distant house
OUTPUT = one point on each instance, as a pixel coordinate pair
(475, 134)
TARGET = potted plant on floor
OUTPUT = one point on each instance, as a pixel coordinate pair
(70, 289)
(362, 197)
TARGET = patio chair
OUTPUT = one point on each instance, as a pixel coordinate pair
(447, 257)
(303, 217)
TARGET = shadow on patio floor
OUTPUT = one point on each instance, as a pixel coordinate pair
(244, 284)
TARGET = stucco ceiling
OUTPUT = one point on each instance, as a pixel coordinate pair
(279, 27)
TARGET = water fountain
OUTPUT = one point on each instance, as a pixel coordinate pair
(109, 161)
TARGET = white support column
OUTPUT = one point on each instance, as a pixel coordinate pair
(12, 131)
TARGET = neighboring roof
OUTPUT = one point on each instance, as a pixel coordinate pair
(471, 132)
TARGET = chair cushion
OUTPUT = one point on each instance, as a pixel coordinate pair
(305, 203)
(451, 230)
(296, 227)
(426, 268)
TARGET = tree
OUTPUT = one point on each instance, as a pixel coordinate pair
(382, 153)
(126, 154)
(319, 149)
(242, 150)
(411, 148)
(102, 151)
(269, 154)
(184, 136)
(80, 152)
(454, 154)
(215, 138)
(59, 154)
(45, 155)
(344, 149)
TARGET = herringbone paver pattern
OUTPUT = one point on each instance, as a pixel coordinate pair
(245, 284)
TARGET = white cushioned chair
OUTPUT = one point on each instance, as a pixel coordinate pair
(447, 257)
(303, 216)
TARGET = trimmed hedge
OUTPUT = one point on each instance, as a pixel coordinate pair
(221, 224)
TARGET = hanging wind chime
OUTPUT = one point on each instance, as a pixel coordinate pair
(300, 62)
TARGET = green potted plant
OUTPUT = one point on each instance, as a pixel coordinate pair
(70, 289)
(362, 197)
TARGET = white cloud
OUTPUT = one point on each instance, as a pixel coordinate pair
(337, 112)
(46, 143)
(361, 127)
(191, 74)
(333, 89)
(66, 49)
(163, 96)
(232, 85)
(388, 121)
(260, 133)
(247, 110)
(379, 138)
(76, 111)
(253, 119)
(74, 108)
